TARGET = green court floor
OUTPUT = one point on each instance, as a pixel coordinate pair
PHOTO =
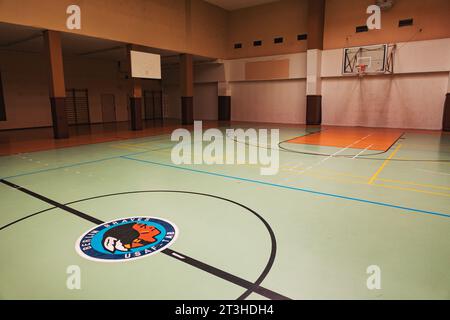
(309, 232)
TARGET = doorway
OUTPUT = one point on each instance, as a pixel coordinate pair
(153, 105)
(108, 108)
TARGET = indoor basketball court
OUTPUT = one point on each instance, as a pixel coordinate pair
(225, 149)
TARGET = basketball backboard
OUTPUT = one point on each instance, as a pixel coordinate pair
(375, 59)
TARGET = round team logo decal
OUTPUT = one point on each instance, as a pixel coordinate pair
(127, 239)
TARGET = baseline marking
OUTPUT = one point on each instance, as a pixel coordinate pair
(362, 151)
(291, 188)
(327, 158)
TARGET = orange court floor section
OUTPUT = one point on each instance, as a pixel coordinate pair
(352, 137)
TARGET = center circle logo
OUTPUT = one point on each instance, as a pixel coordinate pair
(126, 239)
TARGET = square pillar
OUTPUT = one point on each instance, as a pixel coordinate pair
(136, 96)
(187, 89)
(314, 87)
(224, 101)
(56, 84)
(446, 118)
(316, 20)
(2, 102)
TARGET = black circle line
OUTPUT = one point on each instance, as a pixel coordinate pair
(26, 217)
(284, 149)
(273, 250)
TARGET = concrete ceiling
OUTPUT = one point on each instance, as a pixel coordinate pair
(238, 4)
(27, 39)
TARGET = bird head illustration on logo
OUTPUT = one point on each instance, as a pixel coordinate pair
(129, 236)
(126, 239)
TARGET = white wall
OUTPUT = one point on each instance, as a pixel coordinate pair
(411, 57)
(402, 101)
(277, 101)
(411, 98)
(272, 100)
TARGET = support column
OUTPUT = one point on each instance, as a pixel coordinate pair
(57, 85)
(2, 102)
(446, 119)
(187, 89)
(316, 20)
(136, 106)
(135, 98)
(224, 101)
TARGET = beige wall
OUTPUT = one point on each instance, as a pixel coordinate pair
(342, 17)
(209, 30)
(191, 26)
(285, 18)
(205, 101)
(235, 69)
(195, 26)
(276, 97)
(26, 91)
(99, 77)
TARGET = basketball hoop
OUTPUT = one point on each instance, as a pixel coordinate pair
(361, 69)
(369, 60)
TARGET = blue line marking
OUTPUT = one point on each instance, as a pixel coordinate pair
(290, 188)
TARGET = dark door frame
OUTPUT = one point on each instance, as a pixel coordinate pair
(150, 94)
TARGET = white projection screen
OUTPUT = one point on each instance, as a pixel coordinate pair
(145, 65)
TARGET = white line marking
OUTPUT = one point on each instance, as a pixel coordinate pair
(329, 157)
(362, 151)
(178, 256)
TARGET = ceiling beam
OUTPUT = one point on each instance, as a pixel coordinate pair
(29, 38)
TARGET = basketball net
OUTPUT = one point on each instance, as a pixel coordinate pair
(361, 69)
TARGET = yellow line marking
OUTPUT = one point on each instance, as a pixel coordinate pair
(130, 145)
(127, 148)
(432, 186)
(335, 173)
(413, 190)
(294, 170)
(144, 144)
(322, 177)
(300, 170)
(375, 176)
